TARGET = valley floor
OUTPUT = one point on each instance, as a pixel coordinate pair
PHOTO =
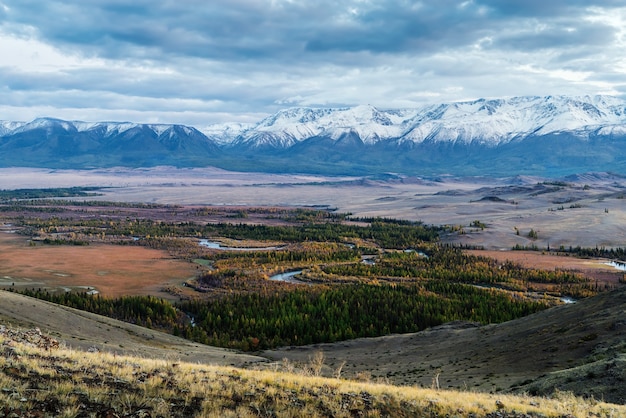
(585, 210)
(577, 348)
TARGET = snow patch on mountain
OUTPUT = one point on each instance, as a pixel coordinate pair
(290, 126)
(7, 127)
(46, 124)
(225, 133)
(108, 129)
(105, 129)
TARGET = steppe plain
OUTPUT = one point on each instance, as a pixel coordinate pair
(584, 210)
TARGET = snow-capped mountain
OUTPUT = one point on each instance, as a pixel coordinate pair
(541, 135)
(58, 143)
(104, 129)
(288, 127)
(225, 133)
(491, 122)
(496, 122)
(7, 127)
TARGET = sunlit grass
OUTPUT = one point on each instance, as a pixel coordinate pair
(67, 383)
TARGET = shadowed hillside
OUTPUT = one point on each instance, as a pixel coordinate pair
(83, 330)
(576, 347)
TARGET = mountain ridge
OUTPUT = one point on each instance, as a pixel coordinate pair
(491, 120)
(549, 135)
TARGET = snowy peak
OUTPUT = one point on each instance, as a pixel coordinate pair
(290, 126)
(225, 133)
(485, 121)
(6, 127)
(490, 122)
(55, 142)
(100, 129)
(45, 124)
(494, 122)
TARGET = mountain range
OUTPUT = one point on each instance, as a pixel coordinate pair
(546, 136)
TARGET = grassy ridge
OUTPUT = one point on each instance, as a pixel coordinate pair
(38, 377)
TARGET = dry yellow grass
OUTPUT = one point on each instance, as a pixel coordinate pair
(62, 382)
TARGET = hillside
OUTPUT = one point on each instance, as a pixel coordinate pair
(86, 331)
(548, 136)
(576, 347)
(40, 379)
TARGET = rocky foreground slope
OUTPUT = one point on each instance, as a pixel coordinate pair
(47, 381)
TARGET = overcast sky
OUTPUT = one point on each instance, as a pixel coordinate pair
(201, 62)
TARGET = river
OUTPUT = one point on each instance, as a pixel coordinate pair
(288, 277)
(218, 246)
(617, 264)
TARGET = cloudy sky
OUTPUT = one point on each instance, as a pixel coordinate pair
(201, 62)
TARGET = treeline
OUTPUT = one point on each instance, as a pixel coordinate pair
(386, 234)
(601, 252)
(20, 194)
(17, 206)
(89, 203)
(302, 215)
(58, 241)
(254, 321)
(312, 252)
(451, 264)
(147, 311)
(618, 253)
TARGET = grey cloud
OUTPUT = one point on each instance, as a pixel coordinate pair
(545, 8)
(250, 55)
(120, 82)
(258, 31)
(219, 30)
(399, 28)
(560, 34)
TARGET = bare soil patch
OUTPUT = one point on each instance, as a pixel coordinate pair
(112, 270)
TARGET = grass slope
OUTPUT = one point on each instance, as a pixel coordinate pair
(84, 330)
(39, 379)
(578, 347)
